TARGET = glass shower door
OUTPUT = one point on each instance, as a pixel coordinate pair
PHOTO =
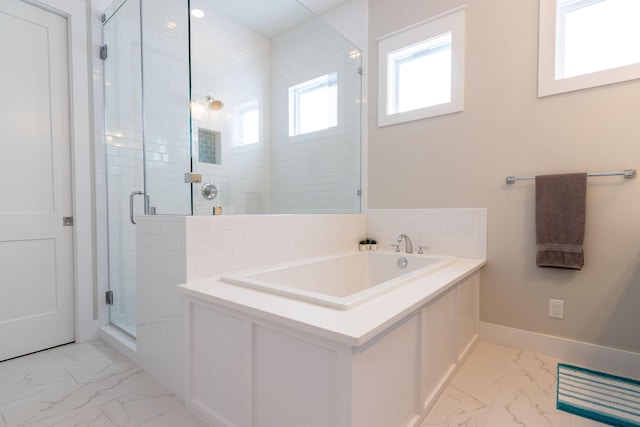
(123, 155)
(165, 85)
(147, 131)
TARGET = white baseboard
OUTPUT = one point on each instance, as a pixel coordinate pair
(596, 357)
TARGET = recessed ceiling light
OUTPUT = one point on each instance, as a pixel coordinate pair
(197, 13)
(171, 25)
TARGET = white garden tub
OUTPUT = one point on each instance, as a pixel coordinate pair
(340, 281)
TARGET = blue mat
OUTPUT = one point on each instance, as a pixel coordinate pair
(602, 397)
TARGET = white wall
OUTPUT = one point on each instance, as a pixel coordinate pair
(462, 159)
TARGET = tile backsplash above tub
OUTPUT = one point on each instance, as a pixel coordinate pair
(216, 244)
(460, 232)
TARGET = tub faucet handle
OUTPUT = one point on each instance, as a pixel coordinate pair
(421, 249)
(397, 247)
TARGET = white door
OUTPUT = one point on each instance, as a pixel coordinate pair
(36, 253)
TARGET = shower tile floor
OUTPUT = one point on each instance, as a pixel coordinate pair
(90, 384)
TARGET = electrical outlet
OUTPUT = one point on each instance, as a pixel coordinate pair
(556, 308)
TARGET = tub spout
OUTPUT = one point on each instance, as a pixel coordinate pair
(407, 242)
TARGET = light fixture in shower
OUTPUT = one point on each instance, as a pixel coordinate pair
(197, 13)
(214, 104)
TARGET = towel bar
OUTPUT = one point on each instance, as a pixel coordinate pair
(627, 173)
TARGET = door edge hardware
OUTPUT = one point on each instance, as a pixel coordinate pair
(192, 177)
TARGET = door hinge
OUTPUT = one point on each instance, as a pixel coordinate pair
(67, 221)
(190, 178)
(103, 52)
(108, 296)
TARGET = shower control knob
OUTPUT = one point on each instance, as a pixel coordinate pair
(209, 191)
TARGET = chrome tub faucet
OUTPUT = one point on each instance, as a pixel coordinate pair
(407, 241)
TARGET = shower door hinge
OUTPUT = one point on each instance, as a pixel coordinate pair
(67, 221)
(103, 52)
(108, 296)
(190, 178)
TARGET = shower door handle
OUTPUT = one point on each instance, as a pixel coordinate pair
(131, 196)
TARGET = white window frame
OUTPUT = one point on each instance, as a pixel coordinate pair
(328, 80)
(548, 57)
(452, 22)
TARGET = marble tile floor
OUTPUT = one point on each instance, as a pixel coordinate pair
(91, 384)
(501, 386)
(88, 384)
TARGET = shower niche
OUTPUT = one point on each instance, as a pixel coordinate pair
(209, 146)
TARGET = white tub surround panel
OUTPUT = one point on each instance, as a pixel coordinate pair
(173, 250)
(457, 231)
(272, 361)
(352, 327)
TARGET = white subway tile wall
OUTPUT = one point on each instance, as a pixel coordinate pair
(314, 173)
(174, 250)
(235, 70)
(161, 266)
(217, 244)
(459, 232)
(317, 172)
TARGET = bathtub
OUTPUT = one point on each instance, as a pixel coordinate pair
(340, 281)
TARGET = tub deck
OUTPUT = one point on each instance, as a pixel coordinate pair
(353, 327)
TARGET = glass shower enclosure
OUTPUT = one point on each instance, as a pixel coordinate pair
(214, 95)
(147, 131)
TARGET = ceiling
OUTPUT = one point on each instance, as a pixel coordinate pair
(271, 17)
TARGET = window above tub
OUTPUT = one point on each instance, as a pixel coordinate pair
(421, 69)
(587, 43)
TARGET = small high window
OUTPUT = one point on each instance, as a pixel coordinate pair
(419, 76)
(313, 105)
(247, 123)
(421, 70)
(587, 43)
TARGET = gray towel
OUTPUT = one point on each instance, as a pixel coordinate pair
(560, 220)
